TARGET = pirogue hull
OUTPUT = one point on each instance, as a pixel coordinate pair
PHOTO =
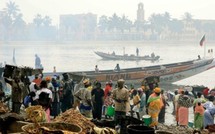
(168, 73)
(125, 57)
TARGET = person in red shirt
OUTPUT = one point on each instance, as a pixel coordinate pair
(205, 91)
(108, 88)
(38, 79)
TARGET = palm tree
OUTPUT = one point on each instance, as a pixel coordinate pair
(18, 26)
(38, 20)
(11, 9)
(114, 22)
(188, 16)
(125, 24)
(47, 21)
(103, 23)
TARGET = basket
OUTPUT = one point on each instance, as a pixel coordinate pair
(51, 128)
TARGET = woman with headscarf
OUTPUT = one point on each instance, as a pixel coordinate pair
(198, 115)
(184, 102)
(154, 104)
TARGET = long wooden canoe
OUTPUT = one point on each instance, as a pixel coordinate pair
(167, 73)
(126, 57)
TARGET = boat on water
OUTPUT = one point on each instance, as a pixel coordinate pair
(114, 56)
(168, 73)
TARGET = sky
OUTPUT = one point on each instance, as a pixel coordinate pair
(199, 9)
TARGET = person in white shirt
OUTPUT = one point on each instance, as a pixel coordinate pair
(44, 97)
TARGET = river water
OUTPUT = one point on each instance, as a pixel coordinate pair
(80, 56)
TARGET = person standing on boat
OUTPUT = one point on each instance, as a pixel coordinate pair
(117, 68)
(96, 69)
(37, 62)
(120, 97)
(137, 51)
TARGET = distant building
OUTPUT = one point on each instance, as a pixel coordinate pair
(140, 13)
(78, 27)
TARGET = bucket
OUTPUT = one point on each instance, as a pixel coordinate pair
(139, 129)
(147, 120)
(190, 124)
(110, 111)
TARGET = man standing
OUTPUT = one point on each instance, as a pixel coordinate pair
(68, 93)
(38, 64)
(84, 95)
(121, 97)
(137, 52)
(17, 93)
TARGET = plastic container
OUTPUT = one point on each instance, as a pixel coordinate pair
(147, 120)
(190, 124)
(140, 129)
(110, 111)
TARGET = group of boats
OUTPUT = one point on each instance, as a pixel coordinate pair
(168, 73)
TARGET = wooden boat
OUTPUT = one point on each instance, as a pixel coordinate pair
(113, 56)
(167, 73)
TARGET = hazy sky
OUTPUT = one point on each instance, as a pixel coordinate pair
(200, 9)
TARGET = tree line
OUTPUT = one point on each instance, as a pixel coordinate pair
(13, 27)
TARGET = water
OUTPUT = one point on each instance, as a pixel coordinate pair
(80, 56)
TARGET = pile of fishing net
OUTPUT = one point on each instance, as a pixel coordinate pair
(52, 128)
(173, 129)
(36, 114)
(3, 108)
(75, 117)
(106, 130)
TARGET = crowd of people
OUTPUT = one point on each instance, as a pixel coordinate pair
(57, 94)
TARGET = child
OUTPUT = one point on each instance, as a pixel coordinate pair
(108, 102)
(28, 99)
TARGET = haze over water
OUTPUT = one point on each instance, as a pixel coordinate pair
(80, 56)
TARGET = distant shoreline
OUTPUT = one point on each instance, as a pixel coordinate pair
(97, 42)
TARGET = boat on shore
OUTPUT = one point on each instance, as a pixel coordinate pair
(114, 56)
(168, 73)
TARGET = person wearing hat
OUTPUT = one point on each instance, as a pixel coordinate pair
(120, 97)
(84, 96)
(154, 105)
